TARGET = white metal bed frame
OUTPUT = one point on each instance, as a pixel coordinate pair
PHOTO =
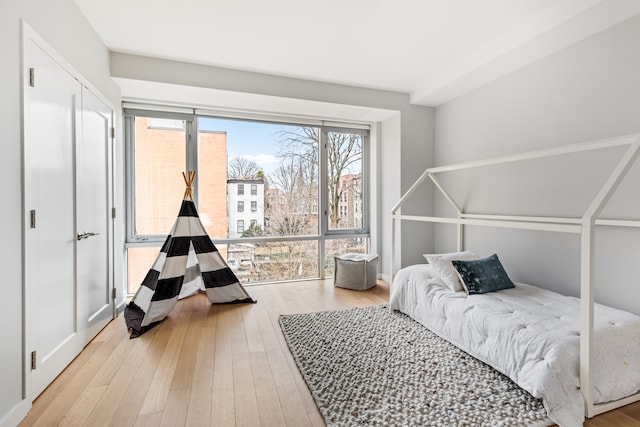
(583, 226)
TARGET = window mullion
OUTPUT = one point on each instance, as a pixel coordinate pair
(129, 122)
(323, 197)
(191, 135)
(322, 184)
(364, 180)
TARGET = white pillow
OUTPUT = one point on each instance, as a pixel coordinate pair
(442, 265)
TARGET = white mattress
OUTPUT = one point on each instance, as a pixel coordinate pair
(531, 335)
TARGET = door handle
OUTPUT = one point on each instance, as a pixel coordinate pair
(85, 235)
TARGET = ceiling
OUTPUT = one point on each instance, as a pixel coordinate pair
(434, 50)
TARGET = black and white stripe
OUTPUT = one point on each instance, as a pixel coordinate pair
(187, 263)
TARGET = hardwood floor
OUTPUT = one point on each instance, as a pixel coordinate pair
(222, 365)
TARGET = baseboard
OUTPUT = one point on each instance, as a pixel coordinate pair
(384, 277)
(120, 308)
(16, 414)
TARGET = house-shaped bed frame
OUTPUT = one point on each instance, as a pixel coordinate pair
(584, 226)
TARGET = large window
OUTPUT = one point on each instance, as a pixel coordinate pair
(306, 192)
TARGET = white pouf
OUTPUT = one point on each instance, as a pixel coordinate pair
(355, 271)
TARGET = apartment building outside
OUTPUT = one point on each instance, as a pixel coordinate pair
(245, 206)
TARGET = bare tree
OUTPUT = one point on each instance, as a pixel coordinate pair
(285, 177)
(243, 168)
(344, 150)
(291, 206)
(291, 215)
(301, 143)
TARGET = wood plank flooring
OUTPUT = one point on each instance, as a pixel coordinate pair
(220, 365)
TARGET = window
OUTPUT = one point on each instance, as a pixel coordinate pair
(344, 178)
(307, 181)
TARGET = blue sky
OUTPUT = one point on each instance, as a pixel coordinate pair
(251, 140)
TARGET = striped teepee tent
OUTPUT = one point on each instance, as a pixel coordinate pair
(187, 263)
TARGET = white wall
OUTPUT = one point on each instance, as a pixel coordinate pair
(416, 156)
(64, 27)
(388, 185)
(400, 165)
(587, 91)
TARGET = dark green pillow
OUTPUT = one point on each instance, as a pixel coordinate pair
(483, 275)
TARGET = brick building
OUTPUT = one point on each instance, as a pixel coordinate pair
(350, 203)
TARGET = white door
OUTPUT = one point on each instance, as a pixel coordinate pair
(51, 126)
(93, 194)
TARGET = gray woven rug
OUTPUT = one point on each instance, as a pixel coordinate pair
(369, 366)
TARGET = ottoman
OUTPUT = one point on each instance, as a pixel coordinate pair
(355, 271)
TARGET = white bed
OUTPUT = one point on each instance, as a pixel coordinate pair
(594, 345)
(529, 334)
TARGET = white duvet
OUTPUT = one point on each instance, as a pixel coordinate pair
(531, 335)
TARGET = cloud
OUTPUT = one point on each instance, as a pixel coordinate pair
(263, 160)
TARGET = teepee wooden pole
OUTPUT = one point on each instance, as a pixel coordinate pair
(189, 177)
